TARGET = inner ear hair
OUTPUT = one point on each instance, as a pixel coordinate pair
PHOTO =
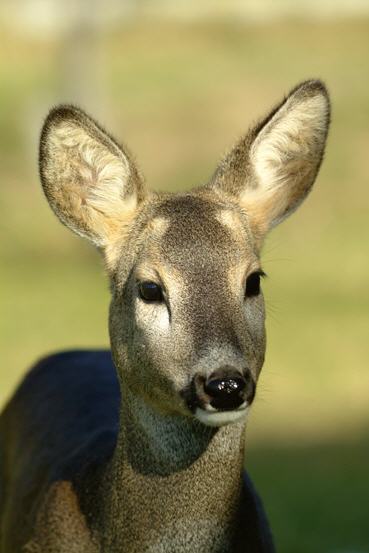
(286, 154)
(91, 182)
(273, 167)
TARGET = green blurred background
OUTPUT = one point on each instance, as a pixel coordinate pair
(179, 83)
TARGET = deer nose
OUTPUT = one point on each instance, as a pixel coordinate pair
(226, 390)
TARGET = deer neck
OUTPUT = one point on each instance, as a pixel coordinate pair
(173, 483)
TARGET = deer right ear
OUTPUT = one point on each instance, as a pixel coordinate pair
(273, 167)
(90, 182)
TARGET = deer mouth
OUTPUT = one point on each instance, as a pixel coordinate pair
(214, 417)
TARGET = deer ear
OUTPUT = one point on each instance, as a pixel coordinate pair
(272, 169)
(90, 182)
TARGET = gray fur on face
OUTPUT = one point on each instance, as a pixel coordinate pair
(202, 266)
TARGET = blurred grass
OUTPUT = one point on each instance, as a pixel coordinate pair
(316, 496)
(180, 95)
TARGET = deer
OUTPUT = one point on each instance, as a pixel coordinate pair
(141, 448)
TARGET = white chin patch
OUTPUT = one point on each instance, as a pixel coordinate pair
(221, 418)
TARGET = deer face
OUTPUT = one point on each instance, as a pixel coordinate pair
(192, 310)
(187, 312)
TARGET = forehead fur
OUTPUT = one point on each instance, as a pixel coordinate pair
(189, 233)
(195, 235)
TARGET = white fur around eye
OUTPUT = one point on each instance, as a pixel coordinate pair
(152, 317)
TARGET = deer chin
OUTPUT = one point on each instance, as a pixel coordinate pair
(213, 417)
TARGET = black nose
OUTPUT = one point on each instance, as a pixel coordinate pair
(225, 389)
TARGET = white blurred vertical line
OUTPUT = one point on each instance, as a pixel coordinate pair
(74, 29)
(79, 64)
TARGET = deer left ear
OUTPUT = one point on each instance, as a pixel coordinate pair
(91, 183)
(272, 169)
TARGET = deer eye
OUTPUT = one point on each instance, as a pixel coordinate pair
(150, 292)
(253, 284)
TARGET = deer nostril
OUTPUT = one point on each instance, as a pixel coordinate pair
(224, 386)
(225, 392)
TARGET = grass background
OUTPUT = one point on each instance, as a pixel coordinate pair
(180, 95)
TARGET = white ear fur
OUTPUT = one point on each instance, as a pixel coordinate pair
(286, 154)
(90, 182)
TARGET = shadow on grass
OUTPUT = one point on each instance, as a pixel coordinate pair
(317, 497)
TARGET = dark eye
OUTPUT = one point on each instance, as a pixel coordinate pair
(253, 284)
(150, 291)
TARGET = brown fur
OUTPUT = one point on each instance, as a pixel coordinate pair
(60, 525)
(170, 478)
